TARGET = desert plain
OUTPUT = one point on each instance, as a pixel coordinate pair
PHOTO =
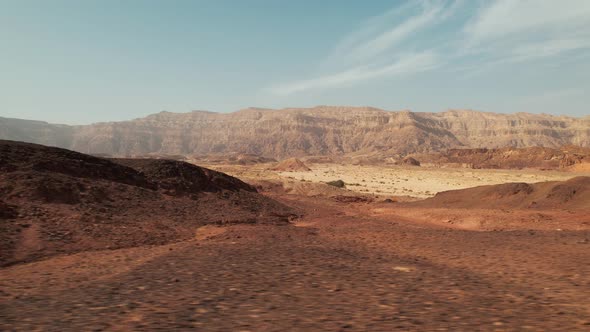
(370, 256)
(393, 180)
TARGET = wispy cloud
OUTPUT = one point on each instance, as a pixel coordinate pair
(500, 32)
(548, 48)
(523, 53)
(515, 19)
(410, 63)
(521, 30)
(367, 52)
(366, 31)
(387, 40)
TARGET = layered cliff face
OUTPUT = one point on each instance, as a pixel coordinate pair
(491, 130)
(313, 131)
(566, 157)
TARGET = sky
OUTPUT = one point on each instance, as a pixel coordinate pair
(78, 62)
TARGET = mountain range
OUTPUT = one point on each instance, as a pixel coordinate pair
(293, 132)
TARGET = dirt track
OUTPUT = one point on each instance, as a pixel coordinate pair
(336, 269)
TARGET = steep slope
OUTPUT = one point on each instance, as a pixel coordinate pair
(57, 201)
(322, 130)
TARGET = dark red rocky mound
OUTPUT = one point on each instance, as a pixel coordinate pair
(7, 211)
(408, 161)
(177, 177)
(27, 157)
(55, 201)
(573, 194)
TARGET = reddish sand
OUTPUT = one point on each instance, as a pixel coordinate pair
(348, 264)
(338, 268)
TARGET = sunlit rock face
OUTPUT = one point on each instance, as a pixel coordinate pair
(294, 132)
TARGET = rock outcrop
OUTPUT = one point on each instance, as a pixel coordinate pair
(409, 161)
(291, 165)
(293, 132)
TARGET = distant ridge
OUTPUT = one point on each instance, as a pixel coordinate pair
(296, 132)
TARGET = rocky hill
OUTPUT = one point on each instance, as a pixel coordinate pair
(55, 201)
(293, 132)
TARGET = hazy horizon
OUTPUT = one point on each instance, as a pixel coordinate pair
(77, 62)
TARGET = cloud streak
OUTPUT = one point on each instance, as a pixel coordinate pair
(367, 53)
(517, 19)
(548, 48)
(390, 38)
(408, 64)
(418, 39)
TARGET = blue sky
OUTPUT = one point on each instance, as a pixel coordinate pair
(85, 61)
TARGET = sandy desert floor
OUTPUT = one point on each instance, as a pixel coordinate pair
(342, 267)
(420, 182)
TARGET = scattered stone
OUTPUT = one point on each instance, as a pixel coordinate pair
(337, 183)
(403, 268)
